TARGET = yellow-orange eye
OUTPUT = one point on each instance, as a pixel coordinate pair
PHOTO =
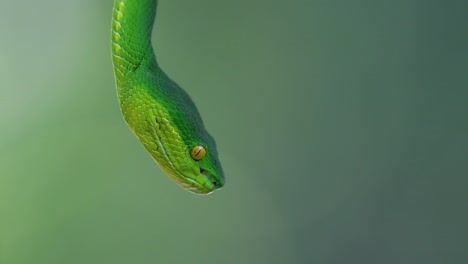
(198, 152)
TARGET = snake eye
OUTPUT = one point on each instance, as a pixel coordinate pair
(198, 152)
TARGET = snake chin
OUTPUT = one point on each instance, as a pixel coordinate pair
(202, 184)
(195, 187)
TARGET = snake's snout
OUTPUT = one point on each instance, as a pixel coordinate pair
(215, 183)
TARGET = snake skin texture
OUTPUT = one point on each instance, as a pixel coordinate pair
(160, 113)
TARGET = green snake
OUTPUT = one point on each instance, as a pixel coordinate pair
(158, 111)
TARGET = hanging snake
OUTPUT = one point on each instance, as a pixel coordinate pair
(158, 111)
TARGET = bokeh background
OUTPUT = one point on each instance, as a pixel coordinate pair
(341, 125)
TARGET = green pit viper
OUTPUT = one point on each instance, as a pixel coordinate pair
(159, 112)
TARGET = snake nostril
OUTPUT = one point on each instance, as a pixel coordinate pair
(214, 183)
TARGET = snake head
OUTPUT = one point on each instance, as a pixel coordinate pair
(192, 163)
(208, 175)
(201, 172)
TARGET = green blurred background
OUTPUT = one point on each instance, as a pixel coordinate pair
(341, 125)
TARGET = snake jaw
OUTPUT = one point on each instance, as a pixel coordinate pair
(198, 184)
(202, 184)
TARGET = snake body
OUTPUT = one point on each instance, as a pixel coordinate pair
(159, 112)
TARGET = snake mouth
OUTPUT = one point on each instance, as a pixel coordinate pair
(194, 186)
(202, 183)
(207, 175)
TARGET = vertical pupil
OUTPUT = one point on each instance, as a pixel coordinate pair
(198, 152)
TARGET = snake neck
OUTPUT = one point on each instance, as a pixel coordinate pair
(132, 24)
